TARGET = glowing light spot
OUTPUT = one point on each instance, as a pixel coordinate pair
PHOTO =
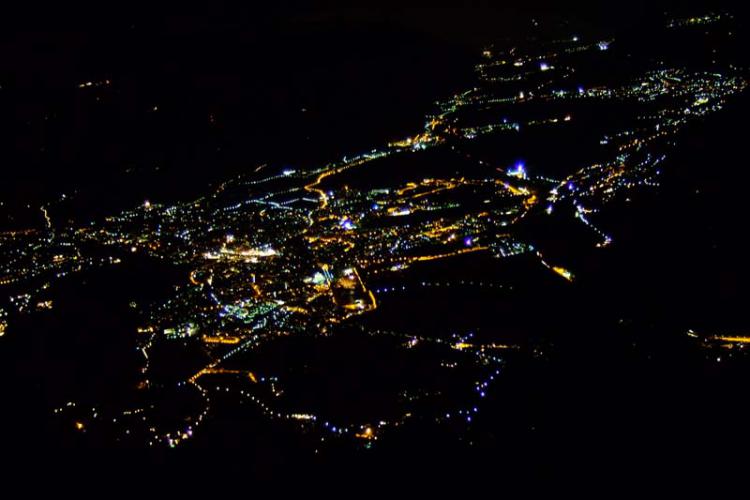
(518, 170)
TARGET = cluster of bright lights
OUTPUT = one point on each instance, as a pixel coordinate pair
(286, 251)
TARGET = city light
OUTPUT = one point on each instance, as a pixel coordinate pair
(311, 254)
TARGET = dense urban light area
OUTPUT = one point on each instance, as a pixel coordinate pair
(286, 257)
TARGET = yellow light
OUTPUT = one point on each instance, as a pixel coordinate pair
(302, 416)
(367, 433)
(739, 340)
(220, 340)
(563, 272)
(296, 309)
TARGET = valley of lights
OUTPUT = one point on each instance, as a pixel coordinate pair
(291, 255)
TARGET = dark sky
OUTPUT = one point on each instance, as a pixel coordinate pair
(459, 19)
(47, 37)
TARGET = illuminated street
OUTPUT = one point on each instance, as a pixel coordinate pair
(383, 292)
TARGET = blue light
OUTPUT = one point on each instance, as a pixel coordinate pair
(580, 89)
(518, 170)
(468, 241)
(347, 224)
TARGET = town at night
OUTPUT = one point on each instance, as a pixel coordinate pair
(482, 242)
